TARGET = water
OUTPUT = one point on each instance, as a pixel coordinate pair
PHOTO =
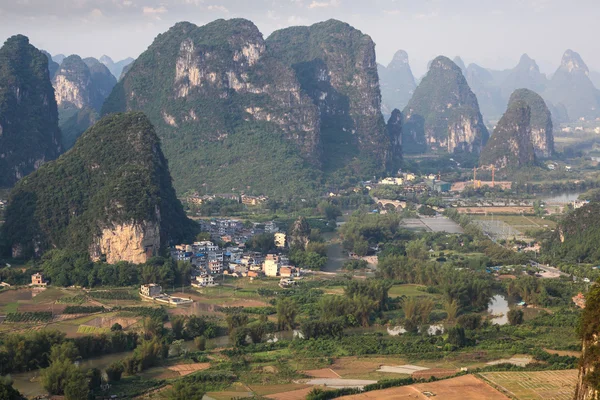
(560, 198)
(499, 307)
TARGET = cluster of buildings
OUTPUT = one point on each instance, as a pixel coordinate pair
(209, 260)
(235, 231)
(153, 292)
(197, 199)
(411, 183)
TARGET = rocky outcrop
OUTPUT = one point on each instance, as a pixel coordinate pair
(572, 88)
(397, 83)
(229, 113)
(29, 133)
(132, 242)
(299, 233)
(526, 75)
(110, 197)
(588, 382)
(80, 87)
(443, 114)
(542, 135)
(394, 129)
(511, 145)
(336, 67)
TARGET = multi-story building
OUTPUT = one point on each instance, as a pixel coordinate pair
(280, 240)
(271, 265)
(150, 290)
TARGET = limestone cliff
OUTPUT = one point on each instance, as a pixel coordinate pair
(572, 88)
(29, 133)
(80, 87)
(335, 64)
(394, 129)
(511, 146)
(230, 115)
(443, 114)
(299, 233)
(110, 196)
(397, 83)
(588, 382)
(542, 135)
(132, 241)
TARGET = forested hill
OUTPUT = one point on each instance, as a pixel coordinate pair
(577, 237)
(114, 182)
(229, 115)
(29, 133)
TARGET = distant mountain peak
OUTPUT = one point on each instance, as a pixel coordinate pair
(529, 63)
(572, 62)
(443, 63)
(459, 61)
(106, 59)
(400, 60)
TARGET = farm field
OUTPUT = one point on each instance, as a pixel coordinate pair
(466, 387)
(520, 222)
(546, 385)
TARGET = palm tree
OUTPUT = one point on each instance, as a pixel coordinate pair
(286, 313)
(451, 308)
(363, 307)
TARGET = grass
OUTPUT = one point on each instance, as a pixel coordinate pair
(11, 307)
(409, 290)
(91, 330)
(520, 222)
(50, 295)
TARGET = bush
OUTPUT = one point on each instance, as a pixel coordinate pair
(114, 371)
(515, 317)
(200, 343)
(83, 309)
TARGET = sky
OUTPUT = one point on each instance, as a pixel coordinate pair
(491, 33)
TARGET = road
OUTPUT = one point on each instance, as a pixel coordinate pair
(549, 270)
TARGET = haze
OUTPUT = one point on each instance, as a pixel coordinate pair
(490, 33)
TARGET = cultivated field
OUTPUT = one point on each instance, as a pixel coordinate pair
(466, 387)
(546, 385)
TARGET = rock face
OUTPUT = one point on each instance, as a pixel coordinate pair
(443, 114)
(394, 129)
(116, 68)
(575, 239)
(397, 83)
(542, 135)
(511, 145)
(80, 86)
(571, 87)
(29, 133)
(52, 65)
(335, 65)
(133, 242)
(229, 114)
(299, 233)
(588, 383)
(526, 75)
(110, 196)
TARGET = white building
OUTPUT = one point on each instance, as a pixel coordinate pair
(204, 280)
(271, 265)
(151, 290)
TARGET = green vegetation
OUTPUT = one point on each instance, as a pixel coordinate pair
(443, 85)
(123, 179)
(35, 316)
(29, 123)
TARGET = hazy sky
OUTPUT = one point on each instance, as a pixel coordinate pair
(492, 33)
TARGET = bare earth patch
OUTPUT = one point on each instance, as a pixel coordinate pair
(466, 387)
(321, 373)
(186, 369)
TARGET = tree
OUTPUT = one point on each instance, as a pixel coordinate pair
(456, 336)
(515, 317)
(203, 236)
(153, 327)
(286, 313)
(469, 321)
(76, 387)
(7, 391)
(65, 351)
(364, 306)
(177, 325)
(116, 327)
(186, 391)
(417, 250)
(114, 371)
(200, 343)
(451, 308)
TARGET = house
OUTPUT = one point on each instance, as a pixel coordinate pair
(253, 200)
(150, 290)
(253, 274)
(271, 265)
(204, 280)
(286, 272)
(441, 186)
(391, 181)
(38, 280)
(579, 300)
(286, 282)
(280, 240)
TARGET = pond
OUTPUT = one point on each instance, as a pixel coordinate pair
(560, 198)
(499, 307)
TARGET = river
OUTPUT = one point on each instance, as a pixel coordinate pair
(560, 198)
(336, 255)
